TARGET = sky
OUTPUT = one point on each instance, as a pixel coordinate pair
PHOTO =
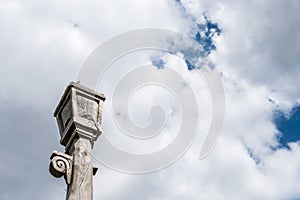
(253, 45)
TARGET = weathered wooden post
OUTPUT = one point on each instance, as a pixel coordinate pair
(79, 115)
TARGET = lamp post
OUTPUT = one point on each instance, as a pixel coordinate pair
(78, 115)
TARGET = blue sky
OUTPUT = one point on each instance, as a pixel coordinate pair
(288, 125)
(203, 33)
(254, 45)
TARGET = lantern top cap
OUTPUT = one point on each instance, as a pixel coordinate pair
(79, 87)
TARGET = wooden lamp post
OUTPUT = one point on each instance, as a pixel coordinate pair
(78, 115)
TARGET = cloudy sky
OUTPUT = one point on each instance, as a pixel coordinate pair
(255, 46)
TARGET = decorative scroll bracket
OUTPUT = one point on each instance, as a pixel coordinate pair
(61, 164)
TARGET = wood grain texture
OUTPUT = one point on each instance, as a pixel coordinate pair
(81, 187)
